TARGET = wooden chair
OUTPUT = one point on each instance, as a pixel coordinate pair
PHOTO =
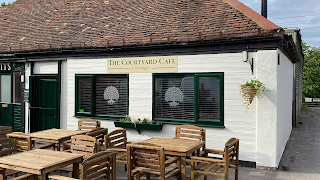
(214, 167)
(101, 136)
(4, 130)
(23, 141)
(98, 166)
(7, 147)
(86, 124)
(117, 141)
(193, 133)
(150, 159)
(81, 144)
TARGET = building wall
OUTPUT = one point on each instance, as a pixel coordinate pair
(285, 98)
(238, 122)
(45, 67)
(266, 116)
(256, 127)
(27, 74)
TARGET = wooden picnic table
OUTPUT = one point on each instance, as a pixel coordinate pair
(41, 161)
(55, 135)
(178, 147)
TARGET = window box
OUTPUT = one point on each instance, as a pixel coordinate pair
(152, 127)
(124, 124)
(139, 126)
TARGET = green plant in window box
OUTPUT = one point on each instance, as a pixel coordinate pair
(141, 123)
(251, 89)
(125, 123)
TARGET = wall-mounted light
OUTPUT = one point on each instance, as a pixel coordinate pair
(22, 78)
(244, 56)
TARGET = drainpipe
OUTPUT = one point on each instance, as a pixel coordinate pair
(264, 4)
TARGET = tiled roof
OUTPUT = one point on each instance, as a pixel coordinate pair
(33, 25)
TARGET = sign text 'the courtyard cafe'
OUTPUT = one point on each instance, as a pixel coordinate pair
(152, 64)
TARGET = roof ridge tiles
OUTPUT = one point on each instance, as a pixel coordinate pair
(259, 19)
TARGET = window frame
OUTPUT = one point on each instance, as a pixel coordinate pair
(93, 113)
(199, 122)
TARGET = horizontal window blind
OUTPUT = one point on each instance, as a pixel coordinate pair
(174, 97)
(111, 95)
(209, 96)
(84, 94)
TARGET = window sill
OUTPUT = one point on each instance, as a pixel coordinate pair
(99, 117)
(180, 122)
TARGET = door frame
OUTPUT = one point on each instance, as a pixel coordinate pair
(59, 90)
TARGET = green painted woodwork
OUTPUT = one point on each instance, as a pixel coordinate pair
(79, 112)
(17, 126)
(6, 114)
(197, 121)
(44, 102)
(124, 124)
(152, 127)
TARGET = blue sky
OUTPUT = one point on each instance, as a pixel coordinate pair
(303, 14)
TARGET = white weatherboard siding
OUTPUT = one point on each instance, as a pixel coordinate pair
(285, 88)
(45, 67)
(26, 80)
(64, 96)
(257, 128)
(267, 109)
(238, 123)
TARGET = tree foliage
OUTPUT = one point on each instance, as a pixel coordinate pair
(4, 4)
(311, 71)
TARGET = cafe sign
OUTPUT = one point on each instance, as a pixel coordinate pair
(5, 67)
(153, 64)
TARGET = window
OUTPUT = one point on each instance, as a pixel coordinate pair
(102, 95)
(189, 98)
(5, 88)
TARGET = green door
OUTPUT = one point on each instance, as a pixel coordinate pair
(44, 102)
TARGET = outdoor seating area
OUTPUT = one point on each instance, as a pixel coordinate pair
(92, 153)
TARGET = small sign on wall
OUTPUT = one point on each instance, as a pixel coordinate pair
(26, 95)
(151, 64)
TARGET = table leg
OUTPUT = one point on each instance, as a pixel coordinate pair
(75, 171)
(114, 167)
(42, 177)
(58, 146)
(3, 173)
(183, 168)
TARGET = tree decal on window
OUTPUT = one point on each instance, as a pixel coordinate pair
(173, 96)
(111, 94)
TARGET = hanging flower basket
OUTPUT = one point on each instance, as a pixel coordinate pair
(250, 89)
(250, 92)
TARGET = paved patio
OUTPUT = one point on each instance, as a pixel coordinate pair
(300, 157)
